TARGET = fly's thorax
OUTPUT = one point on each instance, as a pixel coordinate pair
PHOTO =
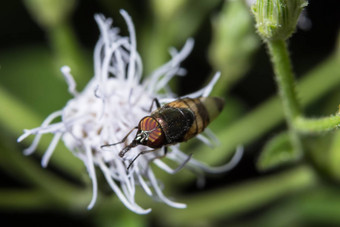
(175, 122)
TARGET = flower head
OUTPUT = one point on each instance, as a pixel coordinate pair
(111, 105)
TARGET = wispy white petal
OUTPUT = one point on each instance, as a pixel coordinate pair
(172, 64)
(69, 80)
(144, 184)
(134, 207)
(36, 140)
(133, 46)
(46, 157)
(219, 169)
(92, 174)
(160, 194)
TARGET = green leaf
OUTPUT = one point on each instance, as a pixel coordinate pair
(324, 153)
(278, 151)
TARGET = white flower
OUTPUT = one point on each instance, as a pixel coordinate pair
(112, 104)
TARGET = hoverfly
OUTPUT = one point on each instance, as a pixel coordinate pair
(172, 123)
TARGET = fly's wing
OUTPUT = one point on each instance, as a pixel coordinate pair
(175, 122)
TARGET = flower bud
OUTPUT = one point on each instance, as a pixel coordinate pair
(277, 19)
(49, 13)
(166, 10)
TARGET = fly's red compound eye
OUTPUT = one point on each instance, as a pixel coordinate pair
(148, 124)
(155, 133)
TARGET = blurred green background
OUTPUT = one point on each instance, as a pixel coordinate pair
(269, 187)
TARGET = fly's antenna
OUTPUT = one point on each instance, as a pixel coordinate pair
(127, 148)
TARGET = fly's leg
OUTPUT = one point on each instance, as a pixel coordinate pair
(139, 154)
(160, 156)
(122, 141)
(156, 101)
(158, 104)
(182, 164)
(178, 167)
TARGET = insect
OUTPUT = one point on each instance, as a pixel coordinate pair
(172, 123)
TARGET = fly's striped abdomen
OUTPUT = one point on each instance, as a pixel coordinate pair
(213, 105)
(203, 110)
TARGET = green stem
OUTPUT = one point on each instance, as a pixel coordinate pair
(29, 199)
(286, 83)
(68, 52)
(285, 78)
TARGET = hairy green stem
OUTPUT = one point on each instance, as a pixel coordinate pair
(310, 125)
(285, 78)
(286, 83)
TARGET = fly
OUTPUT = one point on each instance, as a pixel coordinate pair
(172, 123)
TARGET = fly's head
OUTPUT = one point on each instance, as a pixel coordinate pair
(149, 134)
